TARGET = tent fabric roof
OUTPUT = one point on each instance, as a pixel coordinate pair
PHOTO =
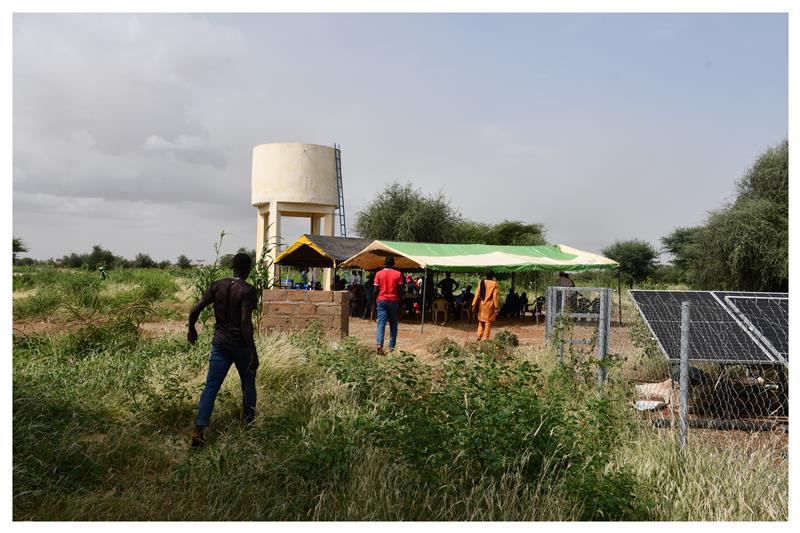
(320, 251)
(478, 257)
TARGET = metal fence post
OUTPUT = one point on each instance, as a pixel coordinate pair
(684, 377)
(602, 339)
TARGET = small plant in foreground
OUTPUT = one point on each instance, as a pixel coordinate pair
(444, 347)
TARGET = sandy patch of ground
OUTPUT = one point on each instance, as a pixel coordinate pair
(166, 327)
(38, 325)
(19, 295)
(411, 339)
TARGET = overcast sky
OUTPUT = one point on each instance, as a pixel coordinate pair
(136, 131)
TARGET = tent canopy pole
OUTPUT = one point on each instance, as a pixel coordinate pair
(424, 282)
(619, 295)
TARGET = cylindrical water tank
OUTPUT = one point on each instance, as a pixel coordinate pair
(294, 172)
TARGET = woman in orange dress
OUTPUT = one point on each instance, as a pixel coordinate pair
(486, 304)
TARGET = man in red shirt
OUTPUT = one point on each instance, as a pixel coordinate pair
(387, 296)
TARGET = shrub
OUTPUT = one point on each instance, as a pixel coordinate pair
(22, 280)
(506, 338)
(44, 301)
(444, 347)
(489, 417)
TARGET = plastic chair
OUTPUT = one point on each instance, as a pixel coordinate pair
(440, 307)
(536, 308)
(466, 310)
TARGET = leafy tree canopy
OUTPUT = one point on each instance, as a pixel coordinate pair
(516, 233)
(636, 258)
(100, 256)
(143, 261)
(677, 244)
(19, 247)
(743, 245)
(403, 213)
(226, 261)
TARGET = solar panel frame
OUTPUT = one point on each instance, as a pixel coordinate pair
(752, 350)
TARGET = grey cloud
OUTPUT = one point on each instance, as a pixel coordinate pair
(105, 106)
(187, 148)
(146, 123)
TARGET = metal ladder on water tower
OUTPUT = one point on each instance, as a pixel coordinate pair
(342, 225)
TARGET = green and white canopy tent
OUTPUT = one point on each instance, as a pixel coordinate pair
(478, 258)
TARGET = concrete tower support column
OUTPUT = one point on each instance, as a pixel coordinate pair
(328, 276)
(261, 231)
(274, 236)
(316, 221)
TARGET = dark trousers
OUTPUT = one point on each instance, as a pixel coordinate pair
(219, 362)
(387, 312)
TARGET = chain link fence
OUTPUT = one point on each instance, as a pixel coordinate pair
(734, 374)
(707, 360)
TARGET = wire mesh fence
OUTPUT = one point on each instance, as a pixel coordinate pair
(704, 357)
(735, 360)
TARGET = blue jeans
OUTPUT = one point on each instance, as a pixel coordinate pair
(219, 362)
(387, 311)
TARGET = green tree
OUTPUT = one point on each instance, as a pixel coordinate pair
(516, 233)
(100, 256)
(636, 258)
(470, 232)
(19, 247)
(143, 261)
(743, 245)
(226, 261)
(74, 260)
(183, 262)
(677, 244)
(403, 213)
(768, 178)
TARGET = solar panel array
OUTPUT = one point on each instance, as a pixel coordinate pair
(725, 327)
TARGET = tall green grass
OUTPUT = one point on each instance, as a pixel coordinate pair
(101, 432)
(81, 295)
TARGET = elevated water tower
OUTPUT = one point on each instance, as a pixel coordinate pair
(296, 180)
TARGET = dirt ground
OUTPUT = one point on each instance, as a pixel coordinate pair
(409, 336)
(411, 339)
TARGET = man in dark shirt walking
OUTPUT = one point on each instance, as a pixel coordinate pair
(234, 300)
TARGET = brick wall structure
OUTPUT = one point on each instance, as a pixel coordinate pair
(287, 309)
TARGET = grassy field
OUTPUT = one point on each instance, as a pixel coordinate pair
(102, 416)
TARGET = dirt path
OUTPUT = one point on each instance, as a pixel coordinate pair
(165, 327)
(410, 338)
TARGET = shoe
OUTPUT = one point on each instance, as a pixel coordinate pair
(379, 349)
(198, 438)
(391, 350)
